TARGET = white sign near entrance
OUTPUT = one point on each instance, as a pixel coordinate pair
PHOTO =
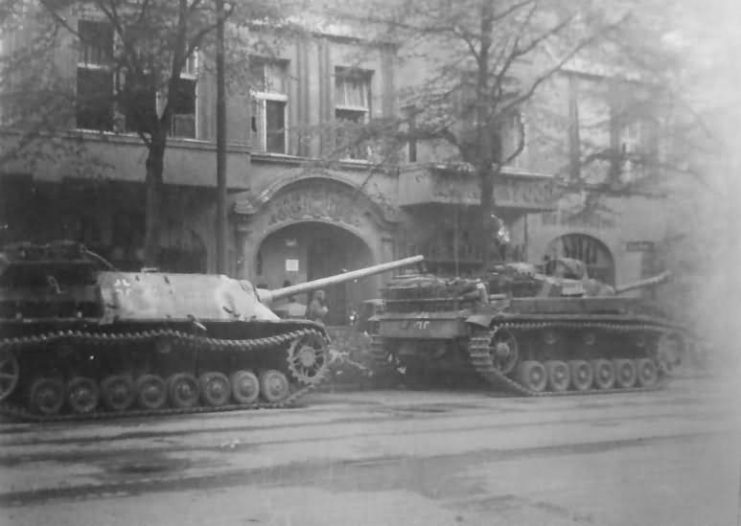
(291, 265)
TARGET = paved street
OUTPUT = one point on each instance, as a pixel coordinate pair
(391, 457)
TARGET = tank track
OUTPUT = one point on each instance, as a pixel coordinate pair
(478, 350)
(201, 343)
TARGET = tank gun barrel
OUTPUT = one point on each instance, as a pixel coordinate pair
(268, 296)
(643, 283)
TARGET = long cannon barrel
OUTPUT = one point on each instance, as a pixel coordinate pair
(268, 296)
(648, 282)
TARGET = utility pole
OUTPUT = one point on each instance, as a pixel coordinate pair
(221, 219)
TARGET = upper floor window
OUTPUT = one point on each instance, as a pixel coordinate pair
(184, 115)
(96, 43)
(268, 83)
(611, 130)
(139, 100)
(94, 104)
(143, 103)
(352, 97)
(410, 115)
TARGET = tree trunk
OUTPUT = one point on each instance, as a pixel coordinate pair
(154, 184)
(486, 178)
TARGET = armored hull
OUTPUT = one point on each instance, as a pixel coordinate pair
(439, 331)
(80, 342)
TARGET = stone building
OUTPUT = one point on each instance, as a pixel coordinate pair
(294, 215)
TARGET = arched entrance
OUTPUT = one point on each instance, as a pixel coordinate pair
(311, 250)
(593, 252)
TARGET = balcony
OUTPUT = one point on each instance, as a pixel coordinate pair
(458, 185)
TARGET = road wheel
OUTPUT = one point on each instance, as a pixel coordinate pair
(117, 392)
(245, 387)
(503, 350)
(274, 386)
(151, 391)
(46, 396)
(83, 395)
(9, 374)
(604, 374)
(559, 375)
(533, 375)
(582, 375)
(647, 372)
(215, 389)
(182, 390)
(625, 373)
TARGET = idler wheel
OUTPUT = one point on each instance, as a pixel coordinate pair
(47, 396)
(83, 395)
(647, 372)
(604, 374)
(533, 375)
(151, 391)
(308, 357)
(582, 374)
(625, 373)
(245, 387)
(183, 390)
(118, 392)
(215, 389)
(559, 375)
(274, 386)
(9, 374)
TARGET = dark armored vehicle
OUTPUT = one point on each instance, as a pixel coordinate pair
(78, 340)
(526, 332)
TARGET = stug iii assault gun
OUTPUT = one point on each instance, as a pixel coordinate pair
(79, 339)
(526, 332)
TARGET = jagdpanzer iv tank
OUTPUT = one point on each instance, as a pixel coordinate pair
(79, 339)
(526, 332)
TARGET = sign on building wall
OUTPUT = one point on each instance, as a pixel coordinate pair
(523, 193)
(291, 265)
(639, 246)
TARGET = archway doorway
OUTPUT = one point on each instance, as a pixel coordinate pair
(311, 250)
(593, 252)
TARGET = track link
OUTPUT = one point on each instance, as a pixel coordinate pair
(200, 343)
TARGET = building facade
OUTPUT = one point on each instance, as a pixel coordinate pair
(302, 204)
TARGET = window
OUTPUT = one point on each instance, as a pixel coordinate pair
(352, 110)
(141, 103)
(94, 76)
(268, 128)
(594, 123)
(96, 43)
(410, 113)
(612, 132)
(183, 122)
(631, 149)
